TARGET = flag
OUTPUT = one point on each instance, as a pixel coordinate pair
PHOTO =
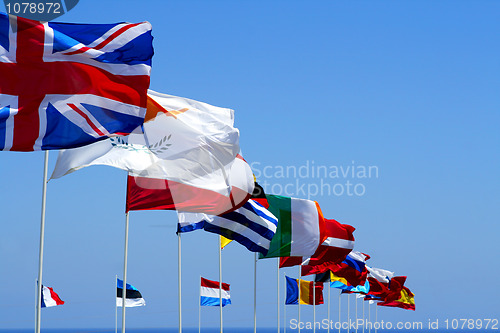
(301, 227)
(210, 293)
(186, 157)
(189, 222)
(224, 241)
(351, 274)
(153, 194)
(133, 296)
(406, 300)
(333, 250)
(381, 275)
(252, 225)
(66, 85)
(50, 298)
(341, 283)
(310, 291)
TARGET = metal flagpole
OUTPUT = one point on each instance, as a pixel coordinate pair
(329, 294)
(124, 296)
(340, 318)
(356, 303)
(363, 305)
(298, 283)
(376, 312)
(255, 293)
(284, 310)
(179, 277)
(116, 308)
(199, 310)
(220, 283)
(369, 318)
(40, 253)
(348, 312)
(278, 278)
(314, 306)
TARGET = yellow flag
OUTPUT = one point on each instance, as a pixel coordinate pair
(224, 241)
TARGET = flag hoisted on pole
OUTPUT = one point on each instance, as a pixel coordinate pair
(179, 278)
(67, 85)
(255, 293)
(124, 294)
(40, 253)
(220, 281)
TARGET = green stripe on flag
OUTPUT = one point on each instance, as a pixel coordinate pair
(281, 207)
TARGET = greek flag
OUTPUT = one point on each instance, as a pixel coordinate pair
(252, 225)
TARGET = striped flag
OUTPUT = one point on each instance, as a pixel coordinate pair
(301, 227)
(335, 248)
(310, 292)
(50, 298)
(210, 293)
(252, 225)
(133, 296)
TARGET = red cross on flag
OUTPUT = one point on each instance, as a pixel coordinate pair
(68, 85)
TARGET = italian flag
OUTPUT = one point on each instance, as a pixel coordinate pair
(301, 227)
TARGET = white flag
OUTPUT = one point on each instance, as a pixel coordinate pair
(182, 140)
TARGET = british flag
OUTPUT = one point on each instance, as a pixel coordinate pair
(67, 85)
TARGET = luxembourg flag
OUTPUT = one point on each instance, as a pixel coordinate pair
(209, 293)
(50, 298)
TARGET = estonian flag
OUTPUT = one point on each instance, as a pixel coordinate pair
(134, 297)
(50, 298)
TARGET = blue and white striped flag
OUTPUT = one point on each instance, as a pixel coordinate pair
(252, 225)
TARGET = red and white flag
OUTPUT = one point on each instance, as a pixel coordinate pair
(333, 250)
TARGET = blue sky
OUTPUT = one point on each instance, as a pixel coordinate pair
(409, 88)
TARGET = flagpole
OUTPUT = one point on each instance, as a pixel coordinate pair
(298, 283)
(348, 312)
(284, 310)
(314, 306)
(356, 307)
(369, 318)
(40, 253)
(255, 293)
(199, 310)
(124, 293)
(179, 276)
(278, 279)
(363, 305)
(340, 318)
(116, 308)
(220, 282)
(329, 294)
(376, 312)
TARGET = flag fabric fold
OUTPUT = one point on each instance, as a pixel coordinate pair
(311, 292)
(338, 244)
(405, 301)
(159, 194)
(252, 225)
(301, 227)
(185, 157)
(350, 274)
(67, 85)
(50, 298)
(133, 296)
(210, 293)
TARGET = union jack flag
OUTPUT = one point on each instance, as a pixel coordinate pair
(67, 85)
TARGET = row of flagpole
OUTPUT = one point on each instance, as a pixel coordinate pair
(40, 275)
